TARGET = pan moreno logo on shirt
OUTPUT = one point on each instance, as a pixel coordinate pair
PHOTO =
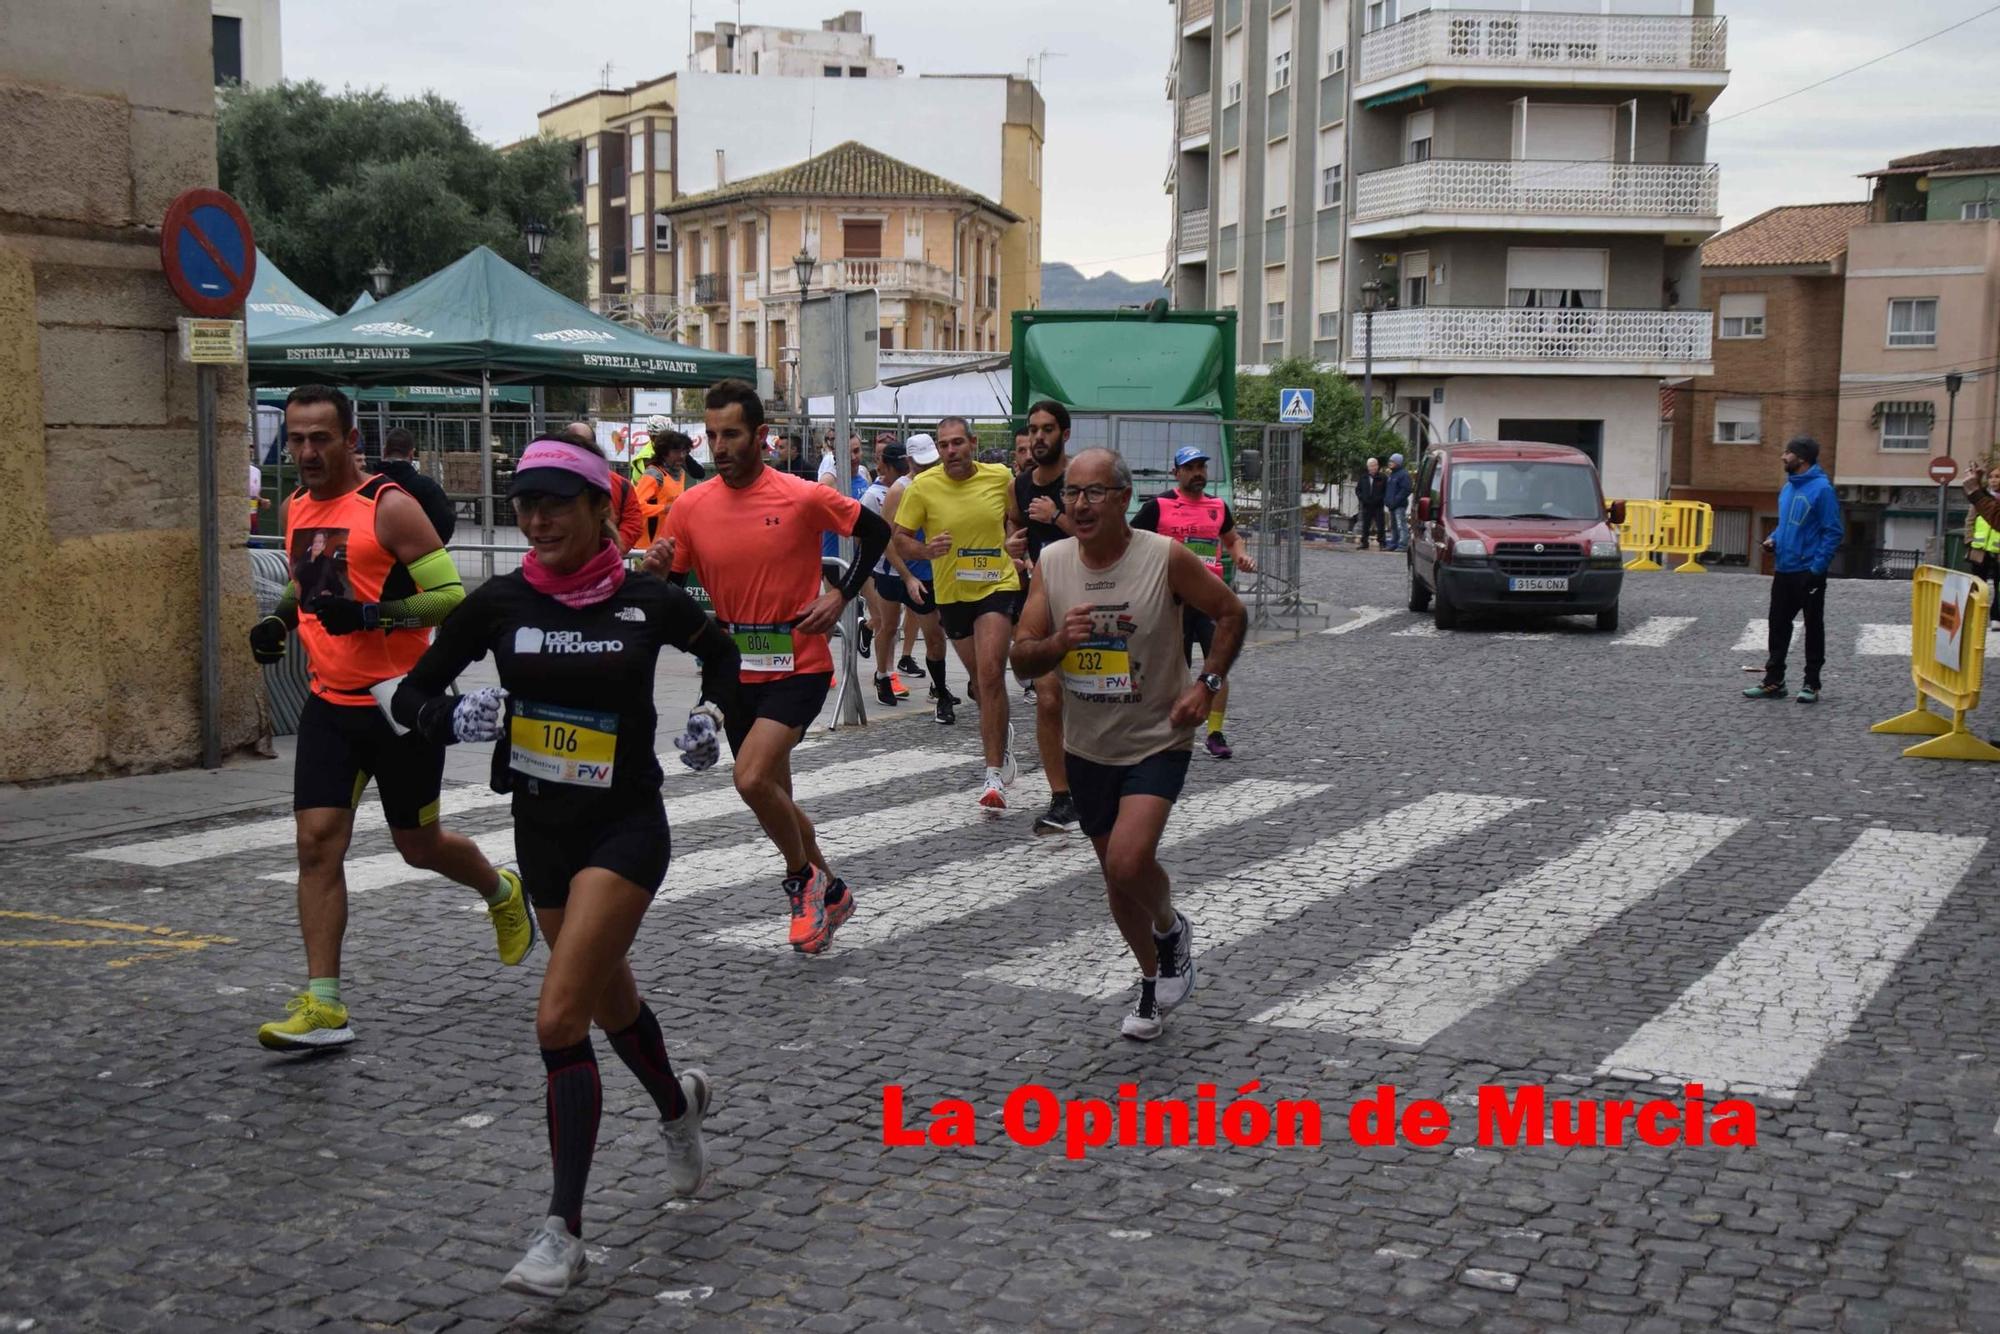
(527, 640)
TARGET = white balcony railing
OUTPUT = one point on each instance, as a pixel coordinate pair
(1193, 234)
(903, 275)
(1511, 38)
(1469, 333)
(1588, 189)
(1194, 115)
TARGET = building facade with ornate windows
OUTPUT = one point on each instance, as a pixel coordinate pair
(930, 247)
(1519, 190)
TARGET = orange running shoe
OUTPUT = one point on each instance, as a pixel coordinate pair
(837, 912)
(897, 687)
(808, 899)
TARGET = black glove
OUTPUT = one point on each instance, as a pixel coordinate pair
(343, 616)
(268, 639)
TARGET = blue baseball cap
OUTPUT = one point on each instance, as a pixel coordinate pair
(1187, 454)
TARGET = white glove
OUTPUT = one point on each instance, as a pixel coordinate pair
(476, 716)
(700, 745)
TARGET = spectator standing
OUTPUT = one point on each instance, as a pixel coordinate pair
(399, 465)
(1371, 494)
(1808, 533)
(1397, 500)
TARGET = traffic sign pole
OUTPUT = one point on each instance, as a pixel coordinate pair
(1942, 470)
(210, 261)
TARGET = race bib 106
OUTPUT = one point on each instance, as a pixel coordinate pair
(558, 745)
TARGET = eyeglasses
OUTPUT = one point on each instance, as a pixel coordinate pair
(1095, 495)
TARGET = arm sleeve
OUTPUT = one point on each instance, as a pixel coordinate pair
(838, 513)
(1148, 517)
(1228, 519)
(871, 539)
(420, 702)
(287, 609)
(440, 590)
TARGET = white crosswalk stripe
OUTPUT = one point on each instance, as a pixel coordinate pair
(1094, 962)
(1893, 641)
(852, 835)
(957, 889)
(1654, 632)
(1754, 639)
(1761, 1019)
(385, 869)
(1363, 616)
(1476, 953)
(1421, 630)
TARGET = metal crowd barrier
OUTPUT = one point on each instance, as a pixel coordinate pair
(1949, 613)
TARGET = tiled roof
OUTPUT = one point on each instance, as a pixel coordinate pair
(1986, 157)
(1788, 234)
(849, 171)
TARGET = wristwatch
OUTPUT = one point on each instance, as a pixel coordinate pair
(1211, 682)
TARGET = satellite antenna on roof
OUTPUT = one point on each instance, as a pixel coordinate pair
(1039, 62)
(604, 77)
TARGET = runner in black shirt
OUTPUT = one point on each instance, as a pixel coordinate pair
(576, 639)
(1038, 494)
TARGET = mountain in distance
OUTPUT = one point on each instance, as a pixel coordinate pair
(1065, 288)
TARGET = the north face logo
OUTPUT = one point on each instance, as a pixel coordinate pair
(630, 614)
(527, 639)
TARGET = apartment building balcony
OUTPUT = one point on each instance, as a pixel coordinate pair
(1191, 238)
(1195, 120)
(652, 312)
(1440, 48)
(711, 289)
(1469, 340)
(1461, 194)
(1196, 15)
(893, 277)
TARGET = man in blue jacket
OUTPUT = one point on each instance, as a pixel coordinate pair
(1807, 535)
(1398, 501)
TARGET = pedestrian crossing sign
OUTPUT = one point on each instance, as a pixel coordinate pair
(1295, 407)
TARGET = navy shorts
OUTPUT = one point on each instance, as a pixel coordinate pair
(634, 843)
(1098, 788)
(890, 587)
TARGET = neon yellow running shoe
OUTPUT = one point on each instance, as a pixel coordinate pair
(513, 923)
(314, 1023)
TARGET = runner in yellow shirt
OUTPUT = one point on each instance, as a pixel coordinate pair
(968, 509)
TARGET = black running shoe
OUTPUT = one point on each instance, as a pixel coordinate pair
(907, 665)
(1060, 817)
(944, 712)
(885, 690)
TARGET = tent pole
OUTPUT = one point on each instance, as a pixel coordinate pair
(486, 474)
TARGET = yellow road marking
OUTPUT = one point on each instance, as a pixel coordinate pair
(155, 942)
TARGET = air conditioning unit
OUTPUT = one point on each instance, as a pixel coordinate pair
(1872, 495)
(1681, 110)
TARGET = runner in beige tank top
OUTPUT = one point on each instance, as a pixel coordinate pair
(1104, 616)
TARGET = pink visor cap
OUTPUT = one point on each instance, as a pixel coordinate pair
(560, 468)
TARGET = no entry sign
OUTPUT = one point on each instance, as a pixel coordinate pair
(207, 253)
(1943, 470)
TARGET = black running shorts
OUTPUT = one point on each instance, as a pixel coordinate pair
(342, 746)
(1098, 788)
(794, 701)
(957, 617)
(1196, 629)
(633, 843)
(890, 587)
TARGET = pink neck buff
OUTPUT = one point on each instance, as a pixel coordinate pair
(586, 586)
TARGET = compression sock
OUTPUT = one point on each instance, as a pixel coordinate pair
(644, 1050)
(324, 989)
(503, 889)
(575, 1103)
(1215, 720)
(935, 666)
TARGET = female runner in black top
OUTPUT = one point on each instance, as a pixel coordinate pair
(576, 639)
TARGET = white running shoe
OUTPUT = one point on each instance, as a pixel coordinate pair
(994, 798)
(1146, 1022)
(553, 1264)
(687, 1156)
(1009, 771)
(1177, 974)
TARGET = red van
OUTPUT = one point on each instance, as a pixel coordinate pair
(1513, 529)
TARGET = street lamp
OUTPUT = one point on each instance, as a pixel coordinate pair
(802, 266)
(1371, 296)
(534, 236)
(378, 279)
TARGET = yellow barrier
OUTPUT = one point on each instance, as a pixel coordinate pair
(1687, 528)
(1640, 533)
(1955, 607)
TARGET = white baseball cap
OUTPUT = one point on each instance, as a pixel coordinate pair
(923, 449)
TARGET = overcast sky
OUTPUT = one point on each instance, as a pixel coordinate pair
(1104, 81)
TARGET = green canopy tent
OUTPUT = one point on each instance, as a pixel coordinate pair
(362, 302)
(481, 321)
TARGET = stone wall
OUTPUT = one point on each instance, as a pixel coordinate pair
(110, 114)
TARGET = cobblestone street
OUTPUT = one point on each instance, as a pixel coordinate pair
(1504, 855)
